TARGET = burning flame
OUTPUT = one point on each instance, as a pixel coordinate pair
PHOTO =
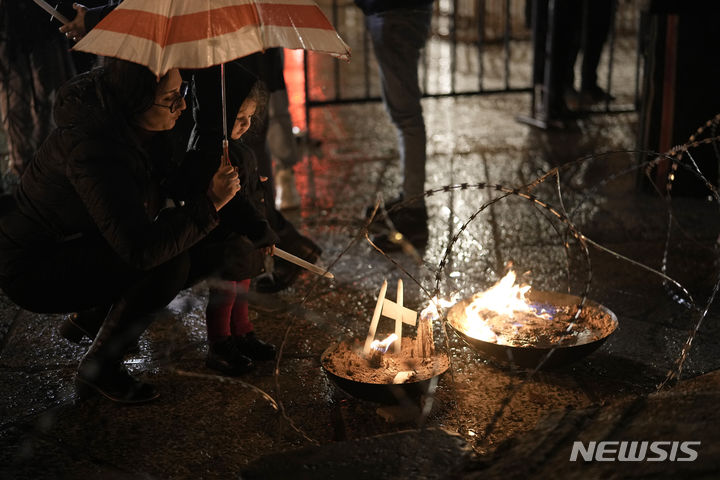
(431, 311)
(384, 345)
(505, 298)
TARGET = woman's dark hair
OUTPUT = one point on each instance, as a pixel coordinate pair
(131, 85)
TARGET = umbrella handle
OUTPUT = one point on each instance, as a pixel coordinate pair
(226, 153)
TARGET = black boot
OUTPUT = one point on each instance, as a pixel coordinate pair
(101, 369)
(86, 324)
(118, 386)
(77, 326)
(412, 223)
(251, 346)
(224, 356)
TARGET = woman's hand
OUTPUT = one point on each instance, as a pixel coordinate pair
(223, 186)
(75, 29)
(268, 251)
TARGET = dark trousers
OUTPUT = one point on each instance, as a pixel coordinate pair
(597, 17)
(85, 273)
(554, 39)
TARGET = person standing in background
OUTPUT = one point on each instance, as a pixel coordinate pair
(279, 139)
(34, 62)
(597, 18)
(398, 31)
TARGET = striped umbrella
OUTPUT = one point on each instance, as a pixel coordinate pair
(166, 34)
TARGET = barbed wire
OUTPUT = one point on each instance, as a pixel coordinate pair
(678, 293)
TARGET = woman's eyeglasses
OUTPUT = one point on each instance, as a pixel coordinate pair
(177, 102)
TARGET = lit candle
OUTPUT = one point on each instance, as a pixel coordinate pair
(378, 349)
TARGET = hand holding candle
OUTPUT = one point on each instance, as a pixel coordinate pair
(223, 186)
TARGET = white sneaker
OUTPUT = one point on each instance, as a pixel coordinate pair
(286, 194)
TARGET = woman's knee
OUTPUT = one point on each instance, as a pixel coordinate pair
(166, 280)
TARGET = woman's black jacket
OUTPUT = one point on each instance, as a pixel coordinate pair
(96, 175)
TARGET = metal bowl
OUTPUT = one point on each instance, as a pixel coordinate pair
(385, 393)
(530, 356)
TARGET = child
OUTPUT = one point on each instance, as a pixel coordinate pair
(233, 346)
(232, 342)
(251, 213)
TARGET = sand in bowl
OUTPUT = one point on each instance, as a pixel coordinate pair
(408, 366)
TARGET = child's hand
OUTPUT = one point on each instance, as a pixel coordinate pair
(268, 251)
(223, 186)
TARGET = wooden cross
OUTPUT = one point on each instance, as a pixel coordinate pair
(390, 309)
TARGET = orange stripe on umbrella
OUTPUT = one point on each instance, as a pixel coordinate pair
(220, 21)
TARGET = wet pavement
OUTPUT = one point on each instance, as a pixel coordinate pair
(486, 419)
(206, 426)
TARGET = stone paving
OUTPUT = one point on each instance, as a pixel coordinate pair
(486, 419)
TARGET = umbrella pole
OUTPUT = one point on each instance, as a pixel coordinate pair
(226, 155)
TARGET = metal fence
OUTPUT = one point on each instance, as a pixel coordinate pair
(477, 47)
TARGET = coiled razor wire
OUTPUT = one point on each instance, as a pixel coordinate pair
(677, 292)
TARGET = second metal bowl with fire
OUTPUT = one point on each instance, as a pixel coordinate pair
(525, 326)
